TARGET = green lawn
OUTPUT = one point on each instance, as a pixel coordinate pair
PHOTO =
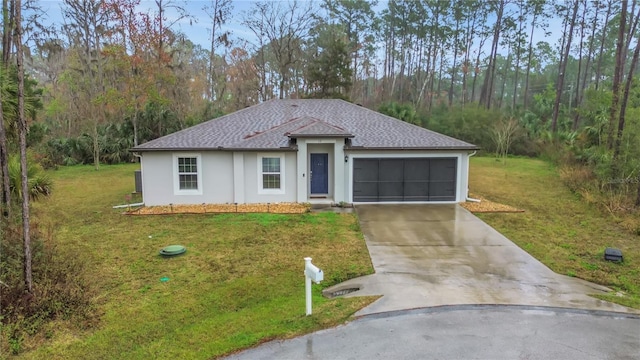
(239, 283)
(557, 227)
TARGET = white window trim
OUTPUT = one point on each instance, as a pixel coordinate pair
(263, 191)
(176, 175)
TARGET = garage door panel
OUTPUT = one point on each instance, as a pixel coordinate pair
(390, 177)
(391, 191)
(416, 170)
(442, 169)
(366, 192)
(416, 191)
(404, 179)
(442, 186)
(365, 170)
(442, 191)
(365, 180)
(390, 170)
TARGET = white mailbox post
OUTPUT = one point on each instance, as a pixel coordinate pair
(311, 273)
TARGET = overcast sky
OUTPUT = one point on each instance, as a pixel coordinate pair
(198, 28)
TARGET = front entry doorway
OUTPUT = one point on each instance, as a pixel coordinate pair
(319, 174)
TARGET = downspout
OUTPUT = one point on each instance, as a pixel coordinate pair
(139, 162)
(467, 198)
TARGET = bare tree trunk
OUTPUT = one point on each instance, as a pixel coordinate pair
(476, 71)
(455, 58)
(529, 56)
(7, 31)
(467, 60)
(623, 105)
(4, 160)
(486, 93)
(580, 94)
(617, 76)
(8, 22)
(521, 19)
(22, 134)
(584, 12)
(630, 30)
(504, 78)
(602, 41)
(563, 66)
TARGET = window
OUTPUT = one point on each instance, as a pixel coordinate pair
(271, 173)
(187, 179)
(188, 173)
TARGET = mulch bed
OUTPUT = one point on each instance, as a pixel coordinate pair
(484, 206)
(275, 208)
(488, 206)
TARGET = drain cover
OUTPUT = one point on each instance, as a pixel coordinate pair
(344, 292)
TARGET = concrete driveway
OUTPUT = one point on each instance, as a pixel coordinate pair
(467, 332)
(434, 255)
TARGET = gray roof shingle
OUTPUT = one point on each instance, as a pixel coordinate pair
(269, 125)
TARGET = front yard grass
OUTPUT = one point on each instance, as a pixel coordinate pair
(240, 282)
(558, 228)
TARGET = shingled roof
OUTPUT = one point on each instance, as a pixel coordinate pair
(270, 125)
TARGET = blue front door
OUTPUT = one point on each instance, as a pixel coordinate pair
(319, 173)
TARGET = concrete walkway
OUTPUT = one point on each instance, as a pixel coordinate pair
(434, 255)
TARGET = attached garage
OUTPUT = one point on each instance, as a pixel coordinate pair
(404, 179)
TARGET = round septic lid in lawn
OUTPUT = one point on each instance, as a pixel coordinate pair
(172, 250)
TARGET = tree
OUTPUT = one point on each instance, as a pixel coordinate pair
(487, 88)
(503, 134)
(539, 15)
(85, 29)
(244, 81)
(359, 20)
(404, 112)
(219, 12)
(563, 65)
(7, 33)
(22, 133)
(617, 76)
(623, 105)
(4, 153)
(328, 69)
(284, 29)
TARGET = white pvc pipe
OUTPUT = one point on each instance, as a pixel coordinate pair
(307, 285)
(467, 197)
(128, 205)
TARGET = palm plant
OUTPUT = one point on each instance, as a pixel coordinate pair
(40, 184)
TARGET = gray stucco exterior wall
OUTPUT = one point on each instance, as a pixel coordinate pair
(158, 178)
(234, 177)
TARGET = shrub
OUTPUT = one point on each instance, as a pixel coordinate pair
(60, 291)
(39, 183)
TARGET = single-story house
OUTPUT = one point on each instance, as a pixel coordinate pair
(304, 151)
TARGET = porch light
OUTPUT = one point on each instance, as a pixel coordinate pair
(346, 158)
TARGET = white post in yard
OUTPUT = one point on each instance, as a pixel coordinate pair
(307, 284)
(311, 273)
